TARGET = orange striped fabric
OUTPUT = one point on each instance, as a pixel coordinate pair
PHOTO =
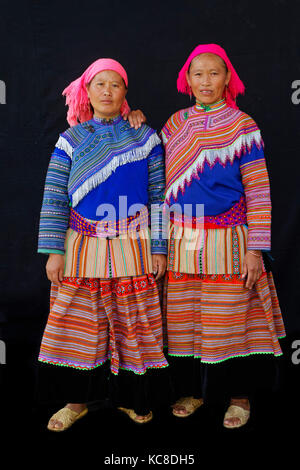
(126, 255)
(207, 251)
(214, 317)
(95, 320)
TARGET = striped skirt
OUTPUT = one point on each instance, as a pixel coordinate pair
(209, 313)
(95, 320)
(214, 317)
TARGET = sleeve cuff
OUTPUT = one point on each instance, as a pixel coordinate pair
(47, 252)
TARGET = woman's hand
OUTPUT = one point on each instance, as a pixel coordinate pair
(252, 267)
(135, 118)
(55, 268)
(159, 263)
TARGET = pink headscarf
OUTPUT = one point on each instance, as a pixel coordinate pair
(76, 93)
(235, 85)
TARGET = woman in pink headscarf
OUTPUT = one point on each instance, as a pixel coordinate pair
(103, 260)
(222, 309)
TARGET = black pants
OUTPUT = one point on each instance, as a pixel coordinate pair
(142, 393)
(238, 377)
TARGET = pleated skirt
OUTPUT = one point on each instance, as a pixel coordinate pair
(214, 317)
(92, 321)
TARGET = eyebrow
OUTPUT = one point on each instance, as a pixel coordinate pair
(200, 70)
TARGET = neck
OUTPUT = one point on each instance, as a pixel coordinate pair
(101, 117)
(210, 106)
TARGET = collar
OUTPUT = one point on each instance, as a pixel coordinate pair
(105, 122)
(217, 106)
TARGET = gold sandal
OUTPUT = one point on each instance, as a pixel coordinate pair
(235, 411)
(67, 417)
(191, 404)
(132, 415)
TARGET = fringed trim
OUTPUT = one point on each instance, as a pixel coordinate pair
(212, 156)
(69, 364)
(102, 175)
(163, 365)
(137, 372)
(229, 357)
(63, 144)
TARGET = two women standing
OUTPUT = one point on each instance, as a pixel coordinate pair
(220, 301)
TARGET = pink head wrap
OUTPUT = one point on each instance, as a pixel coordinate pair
(235, 85)
(76, 93)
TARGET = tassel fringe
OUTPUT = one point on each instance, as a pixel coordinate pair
(132, 156)
(63, 144)
(212, 156)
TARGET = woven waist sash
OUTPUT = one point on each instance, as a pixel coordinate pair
(237, 215)
(109, 228)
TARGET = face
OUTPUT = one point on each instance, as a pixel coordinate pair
(207, 78)
(106, 92)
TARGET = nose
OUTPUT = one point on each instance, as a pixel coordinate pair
(206, 79)
(107, 90)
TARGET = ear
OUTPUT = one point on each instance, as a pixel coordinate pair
(88, 89)
(188, 78)
(228, 77)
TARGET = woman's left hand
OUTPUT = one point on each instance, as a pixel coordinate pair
(252, 267)
(136, 118)
(159, 264)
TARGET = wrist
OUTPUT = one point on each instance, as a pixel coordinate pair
(255, 253)
(55, 255)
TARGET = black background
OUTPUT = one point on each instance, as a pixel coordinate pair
(47, 44)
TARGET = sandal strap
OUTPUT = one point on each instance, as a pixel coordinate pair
(67, 416)
(235, 411)
(189, 403)
(132, 415)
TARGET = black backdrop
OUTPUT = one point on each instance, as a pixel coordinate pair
(46, 44)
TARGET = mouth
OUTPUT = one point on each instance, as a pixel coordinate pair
(206, 92)
(106, 101)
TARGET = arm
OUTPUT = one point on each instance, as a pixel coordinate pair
(255, 180)
(54, 217)
(257, 192)
(156, 188)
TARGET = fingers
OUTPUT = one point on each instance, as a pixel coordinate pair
(55, 277)
(252, 277)
(159, 266)
(160, 271)
(136, 118)
(244, 270)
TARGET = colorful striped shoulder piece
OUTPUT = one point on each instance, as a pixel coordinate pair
(193, 137)
(71, 138)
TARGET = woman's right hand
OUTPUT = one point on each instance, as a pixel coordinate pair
(136, 118)
(55, 268)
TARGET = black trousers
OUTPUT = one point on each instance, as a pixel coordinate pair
(142, 393)
(238, 377)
